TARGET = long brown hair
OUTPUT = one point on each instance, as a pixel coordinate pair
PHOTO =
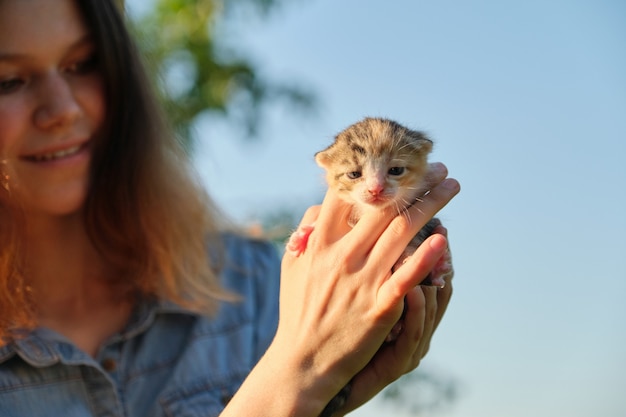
(145, 211)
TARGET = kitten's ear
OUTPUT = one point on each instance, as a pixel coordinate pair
(420, 141)
(324, 158)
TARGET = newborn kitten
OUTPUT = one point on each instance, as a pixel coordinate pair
(375, 164)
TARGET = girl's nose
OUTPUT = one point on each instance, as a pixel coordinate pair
(57, 106)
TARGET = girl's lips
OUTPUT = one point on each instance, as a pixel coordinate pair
(55, 155)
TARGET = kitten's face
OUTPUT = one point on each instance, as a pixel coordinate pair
(376, 164)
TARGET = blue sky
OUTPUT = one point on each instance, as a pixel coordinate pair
(526, 103)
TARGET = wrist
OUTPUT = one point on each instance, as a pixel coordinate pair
(282, 385)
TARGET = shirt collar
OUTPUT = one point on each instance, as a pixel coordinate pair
(44, 347)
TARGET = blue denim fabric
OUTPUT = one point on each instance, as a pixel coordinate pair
(167, 362)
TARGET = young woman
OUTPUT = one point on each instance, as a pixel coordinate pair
(121, 290)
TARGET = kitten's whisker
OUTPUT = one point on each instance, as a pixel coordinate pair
(397, 204)
(404, 211)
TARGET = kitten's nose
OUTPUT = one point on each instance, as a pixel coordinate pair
(375, 190)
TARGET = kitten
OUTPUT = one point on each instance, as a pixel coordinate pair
(375, 164)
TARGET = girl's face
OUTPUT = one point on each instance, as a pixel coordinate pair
(51, 104)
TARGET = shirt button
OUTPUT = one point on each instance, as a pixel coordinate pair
(109, 365)
(225, 397)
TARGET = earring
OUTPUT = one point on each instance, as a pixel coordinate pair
(4, 177)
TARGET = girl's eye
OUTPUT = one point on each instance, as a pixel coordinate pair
(84, 66)
(354, 175)
(396, 171)
(10, 85)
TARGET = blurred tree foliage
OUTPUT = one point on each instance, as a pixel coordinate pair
(422, 392)
(197, 70)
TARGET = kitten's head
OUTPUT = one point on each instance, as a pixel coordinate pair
(377, 163)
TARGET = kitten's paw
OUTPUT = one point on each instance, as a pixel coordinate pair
(442, 271)
(298, 240)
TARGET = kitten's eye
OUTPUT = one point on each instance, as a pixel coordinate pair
(354, 175)
(396, 171)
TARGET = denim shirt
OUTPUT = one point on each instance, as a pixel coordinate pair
(167, 362)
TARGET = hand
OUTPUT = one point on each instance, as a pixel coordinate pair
(425, 308)
(339, 298)
(338, 302)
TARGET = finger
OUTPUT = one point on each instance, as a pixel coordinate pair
(414, 341)
(430, 322)
(415, 318)
(443, 299)
(406, 346)
(402, 229)
(447, 273)
(374, 223)
(310, 215)
(443, 271)
(332, 221)
(393, 359)
(435, 174)
(412, 272)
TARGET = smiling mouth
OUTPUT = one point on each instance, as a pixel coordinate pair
(52, 156)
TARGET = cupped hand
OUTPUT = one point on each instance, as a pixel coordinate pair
(339, 298)
(425, 307)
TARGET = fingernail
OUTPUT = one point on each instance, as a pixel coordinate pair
(438, 282)
(439, 168)
(438, 243)
(450, 184)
